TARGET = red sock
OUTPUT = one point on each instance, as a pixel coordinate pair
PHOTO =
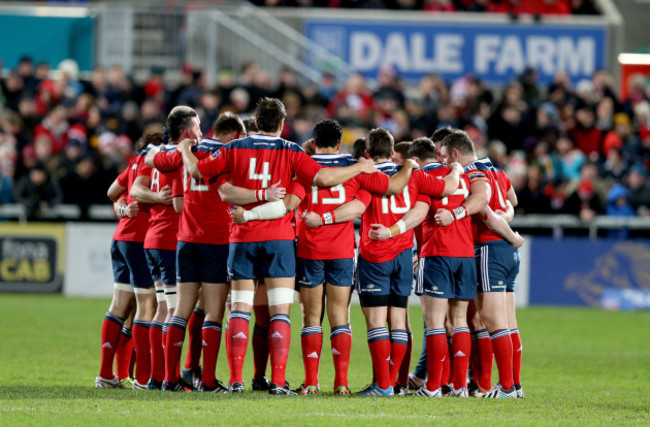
(436, 343)
(194, 326)
(124, 353)
(445, 376)
(111, 330)
(132, 364)
(211, 340)
(174, 347)
(279, 343)
(238, 330)
(502, 348)
(405, 367)
(260, 350)
(380, 349)
(311, 341)
(462, 348)
(142, 351)
(341, 341)
(157, 352)
(398, 344)
(516, 355)
(485, 359)
(474, 359)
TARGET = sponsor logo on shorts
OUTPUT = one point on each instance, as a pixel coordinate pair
(371, 288)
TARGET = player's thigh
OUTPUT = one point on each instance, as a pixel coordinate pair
(338, 301)
(166, 261)
(374, 283)
(121, 273)
(242, 261)
(401, 283)
(280, 293)
(514, 271)
(214, 297)
(213, 263)
(375, 316)
(436, 277)
(310, 273)
(511, 310)
(492, 308)
(458, 312)
(434, 310)
(494, 266)
(397, 318)
(277, 259)
(187, 263)
(464, 278)
(339, 272)
(140, 274)
(473, 317)
(312, 300)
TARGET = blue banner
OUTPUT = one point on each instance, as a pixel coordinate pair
(586, 272)
(495, 53)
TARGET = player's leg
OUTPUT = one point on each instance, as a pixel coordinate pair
(461, 346)
(511, 316)
(339, 280)
(191, 371)
(483, 348)
(401, 288)
(311, 283)
(401, 384)
(214, 276)
(124, 352)
(156, 339)
(448, 365)
(260, 338)
(114, 319)
(279, 269)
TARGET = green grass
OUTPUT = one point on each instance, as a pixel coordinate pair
(581, 366)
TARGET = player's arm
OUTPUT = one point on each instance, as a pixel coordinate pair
(167, 161)
(243, 196)
(272, 210)
(149, 158)
(398, 181)
(511, 201)
(409, 221)
(436, 187)
(346, 212)
(124, 209)
(140, 192)
(329, 177)
(498, 225)
(476, 201)
(115, 191)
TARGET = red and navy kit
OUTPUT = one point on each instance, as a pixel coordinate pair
(485, 167)
(133, 229)
(163, 224)
(256, 163)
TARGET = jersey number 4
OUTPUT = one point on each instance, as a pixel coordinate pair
(265, 177)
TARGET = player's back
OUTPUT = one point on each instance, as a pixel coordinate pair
(482, 233)
(456, 239)
(133, 229)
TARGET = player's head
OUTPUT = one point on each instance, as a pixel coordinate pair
(457, 147)
(183, 122)
(423, 150)
(270, 115)
(379, 144)
(359, 149)
(228, 127)
(251, 126)
(437, 138)
(327, 134)
(308, 146)
(401, 152)
(154, 138)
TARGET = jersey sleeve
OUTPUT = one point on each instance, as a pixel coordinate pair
(376, 183)
(297, 188)
(217, 163)
(143, 169)
(429, 184)
(176, 183)
(304, 166)
(123, 178)
(476, 175)
(364, 197)
(168, 161)
(425, 199)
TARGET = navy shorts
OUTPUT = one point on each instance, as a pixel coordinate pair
(252, 260)
(390, 278)
(447, 277)
(198, 262)
(162, 265)
(130, 264)
(337, 272)
(497, 265)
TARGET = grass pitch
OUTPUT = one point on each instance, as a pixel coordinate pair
(580, 366)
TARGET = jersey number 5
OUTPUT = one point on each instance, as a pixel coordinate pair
(265, 177)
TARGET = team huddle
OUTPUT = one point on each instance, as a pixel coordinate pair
(228, 226)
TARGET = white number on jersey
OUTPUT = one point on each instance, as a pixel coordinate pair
(338, 200)
(155, 181)
(194, 186)
(502, 201)
(265, 177)
(460, 191)
(393, 203)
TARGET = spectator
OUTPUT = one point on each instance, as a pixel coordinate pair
(37, 192)
(639, 190)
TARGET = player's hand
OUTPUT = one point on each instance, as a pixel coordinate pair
(311, 219)
(410, 164)
(275, 192)
(367, 166)
(185, 144)
(456, 168)
(379, 232)
(443, 217)
(237, 215)
(519, 241)
(132, 210)
(165, 195)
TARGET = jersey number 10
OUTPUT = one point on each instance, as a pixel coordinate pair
(393, 203)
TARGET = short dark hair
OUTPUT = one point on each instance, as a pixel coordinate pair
(179, 119)
(403, 148)
(442, 133)
(250, 125)
(460, 141)
(327, 133)
(423, 148)
(359, 149)
(269, 114)
(379, 144)
(229, 122)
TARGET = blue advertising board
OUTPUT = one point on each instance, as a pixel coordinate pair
(588, 272)
(494, 52)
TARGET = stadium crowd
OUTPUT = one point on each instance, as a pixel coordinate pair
(576, 149)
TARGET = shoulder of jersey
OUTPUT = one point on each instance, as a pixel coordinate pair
(480, 164)
(208, 145)
(388, 167)
(334, 159)
(433, 166)
(257, 142)
(168, 148)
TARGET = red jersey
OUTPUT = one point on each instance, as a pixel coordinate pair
(133, 229)
(485, 167)
(257, 162)
(316, 243)
(455, 240)
(205, 217)
(163, 224)
(388, 210)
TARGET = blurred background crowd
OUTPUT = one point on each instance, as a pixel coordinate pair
(575, 149)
